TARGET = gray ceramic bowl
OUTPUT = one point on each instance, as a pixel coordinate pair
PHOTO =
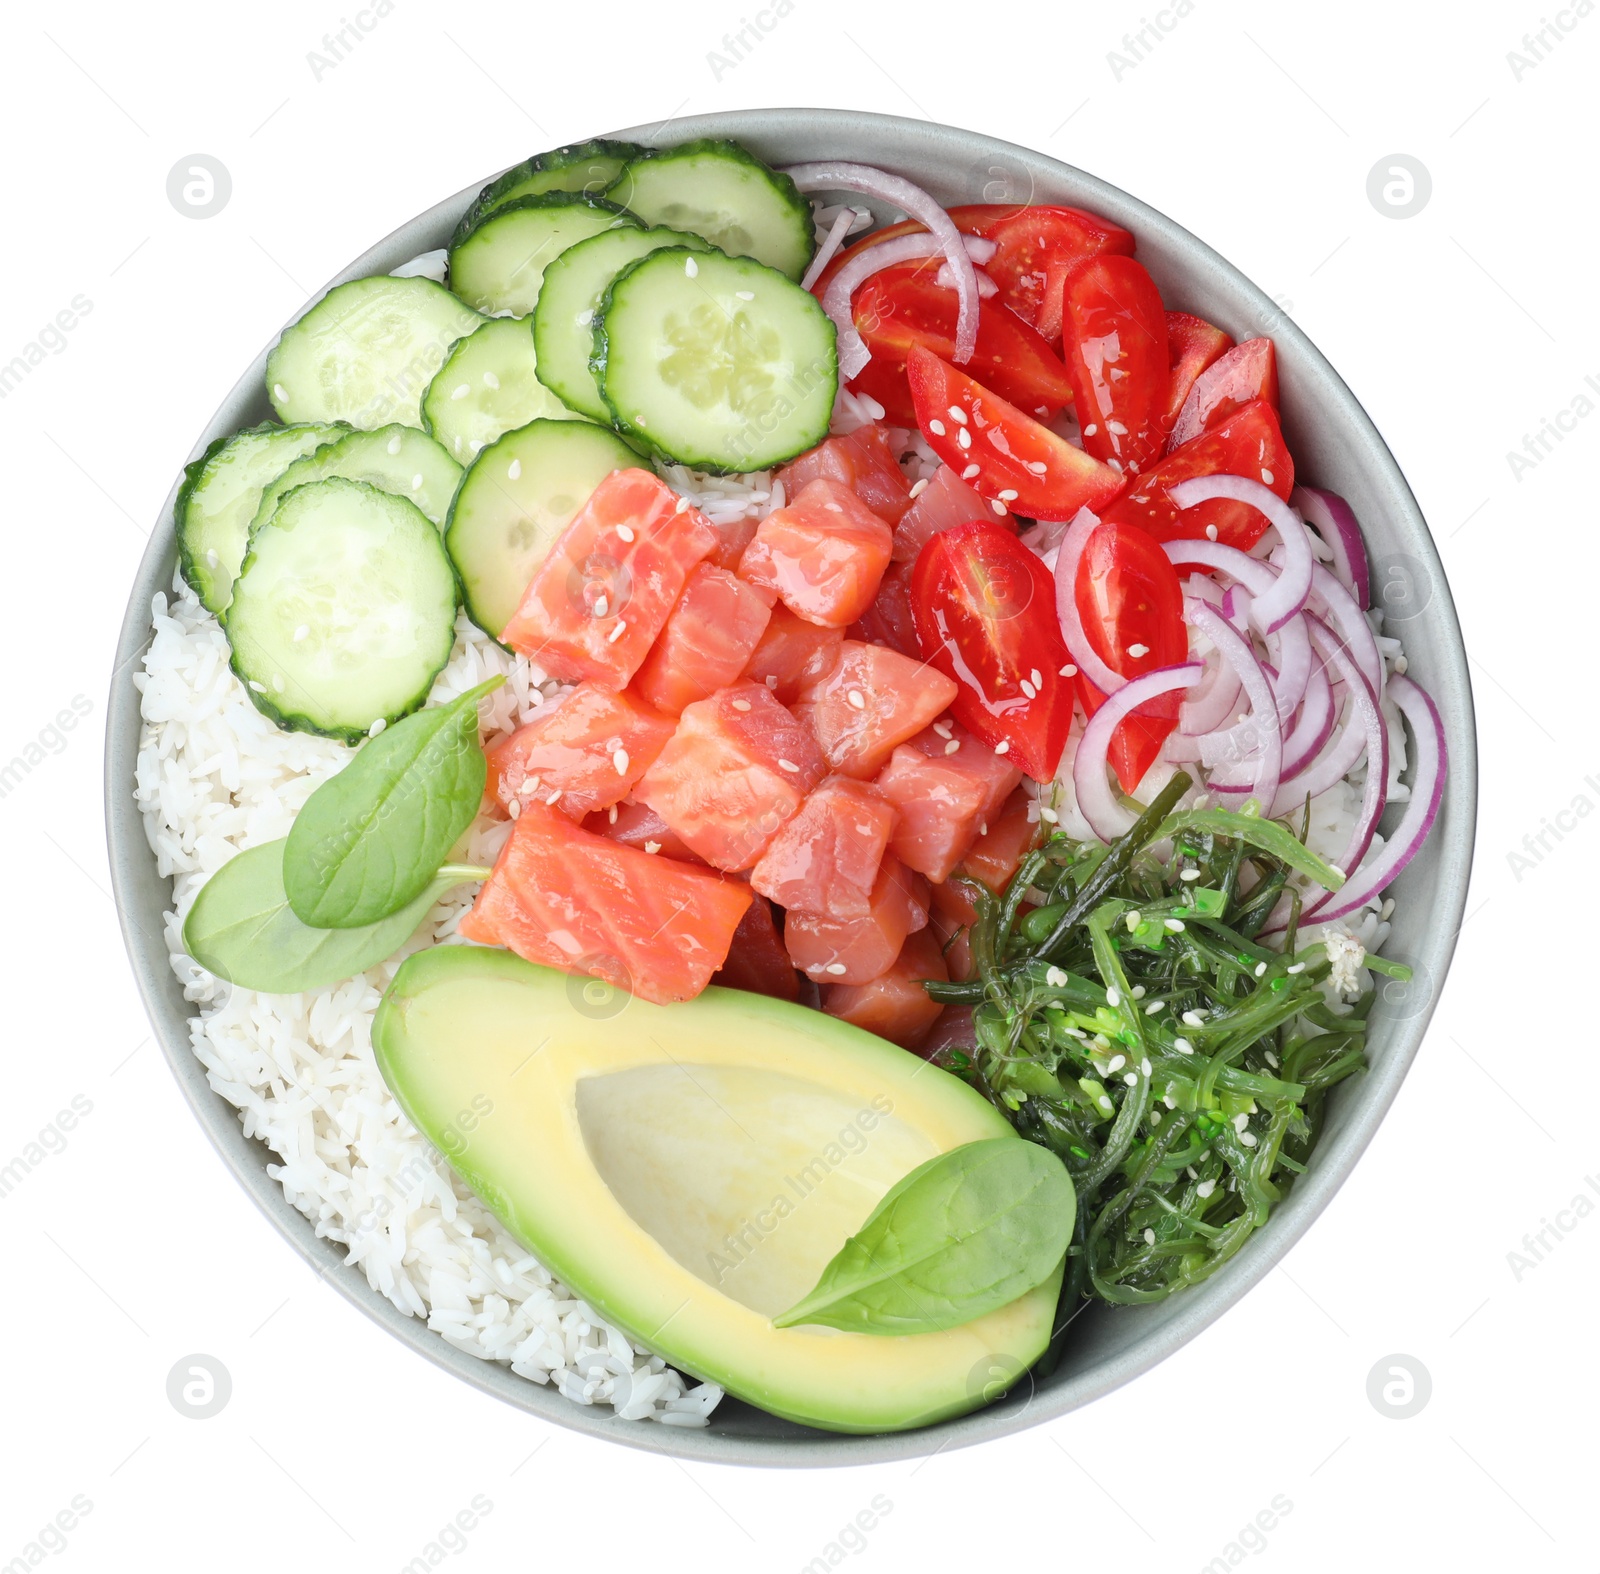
(1335, 445)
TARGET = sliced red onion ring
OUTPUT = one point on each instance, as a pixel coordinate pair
(1096, 802)
(1068, 556)
(1260, 738)
(1335, 521)
(853, 352)
(1427, 791)
(1293, 653)
(1276, 606)
(1313, 726)
(829, 247)
(1339, 609)
(916, 204)
(1209, 706)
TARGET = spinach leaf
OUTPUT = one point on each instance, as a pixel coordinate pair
(960, 1236)
(367, 843)
(242, 929)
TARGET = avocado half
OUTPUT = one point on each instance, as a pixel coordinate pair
(689, 1170)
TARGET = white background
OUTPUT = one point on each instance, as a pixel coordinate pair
(1460, 328)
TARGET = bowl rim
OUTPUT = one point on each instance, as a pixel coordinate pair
(132, 865)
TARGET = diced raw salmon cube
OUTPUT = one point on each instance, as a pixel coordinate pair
(993, 858)
(949, 741)
(870, 701)
(955, 941)
(757, 961)
(598, 601)
(894, 1005)
(939, 809)
(857, 950)
(827, 857)
(638, 825)
(946, 501)
(862, 460)
(793, 653)
(736, 769)
(584, 754)
(889, 621)
(588, 905)
(711, 634)
(824, 554)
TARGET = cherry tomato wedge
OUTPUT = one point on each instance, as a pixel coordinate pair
(1249, 443)
(1131, 604)
(1248, 371)
(1036, 246)
(1019, 462)
(1114, 343)
(1193, 344)
(906, 306)
(986, 616)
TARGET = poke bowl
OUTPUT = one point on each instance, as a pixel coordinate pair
(793, 788)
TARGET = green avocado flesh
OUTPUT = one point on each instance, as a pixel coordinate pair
(691, 1169)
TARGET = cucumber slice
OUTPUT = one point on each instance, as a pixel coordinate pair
(366, 352)
(591, 167)
(489, 385)
(574, 285)
(517, 498)
(499, 266)
(219, 496)
(716, 189)
(399, 459)
(714, 361)
(344, 611)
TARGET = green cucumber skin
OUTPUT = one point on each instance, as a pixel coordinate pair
(782, 187)
(489, 200)
(194, 474)
(603, 351)
(293, 721)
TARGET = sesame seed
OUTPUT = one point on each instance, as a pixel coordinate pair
(1169, 1101)
(514, 808)
(1116, 1063)
(1154, 1006)
(652, 847)
(1048, 815)
(936, 427)
(970, 472)
(1205, 1188)
(1189, 874)
(1009, 495)
(771, 680)
(1175, 926)
(1138, 652)
(377, 727)
(952, 746)
(301, 632)
(1149, 1237)
(942, 728)
(625, 533)
(1133, 920)
(1038, 678)
(1144, 1065)
(260, 688)
(1298, 967)
(1055, 978)
(745, 295)
(1401, 665)
(554, 798)
(691, 267)
(1117, 428)
(1113, 996)
(918, 488)
(1248, 1138)
(514, 469)
(740, 705)
(836, 968)
(1240, 1121)
(585, 317)
(683, 503)
(461, 390)
(279, 393)
(983, 827)
(620, 760)
(416, 481)
(1266, 477)
(1261, 969)
(1270, 1058)
(1131, 1078)
(617, 632)
(601, 606)
(999, 508)
(613, 814)
(788, 765)
(531, 785)
(1183, 1046)
(1069, 671)
(490, 380)
(1193, 1019)
(1090, 429)
(957, 414)
(1211, 532)
(1002, 747)
(394, 444)
(1028, 690)
(1037, 466)
(964, 437)
(858, 699)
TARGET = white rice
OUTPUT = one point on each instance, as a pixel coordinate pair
(216, 777)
